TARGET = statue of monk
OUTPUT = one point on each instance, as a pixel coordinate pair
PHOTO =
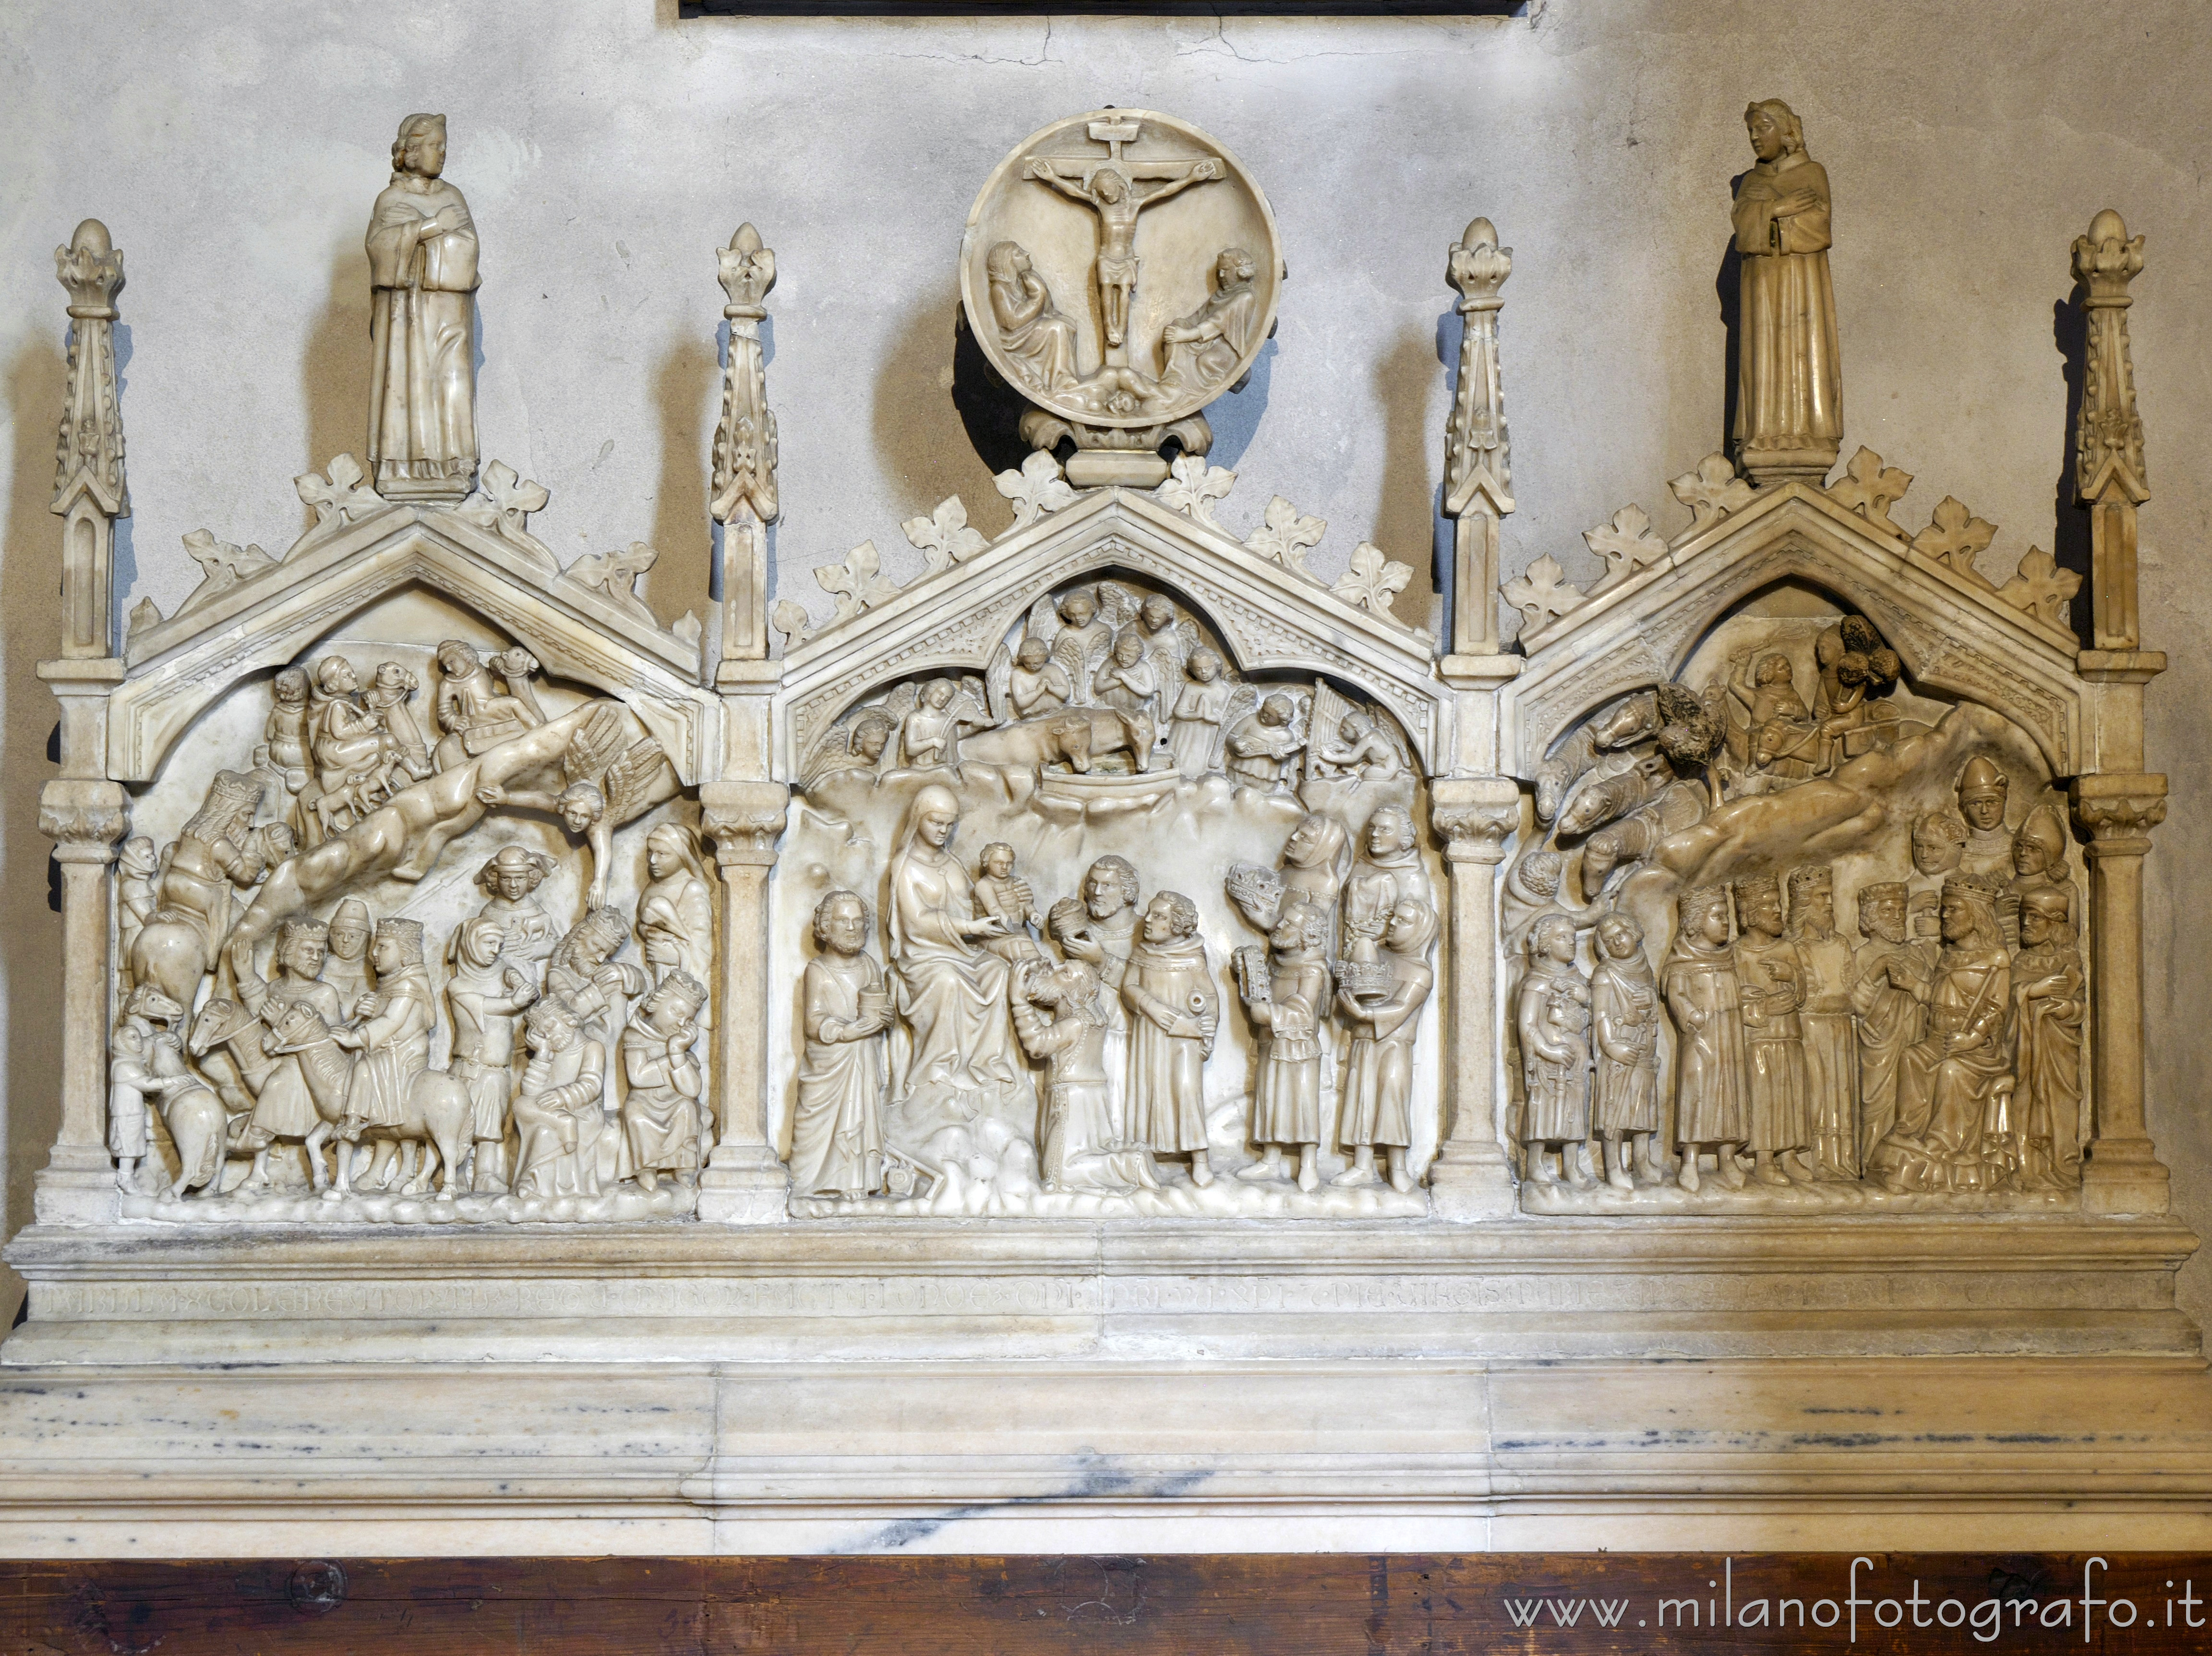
(1789, 383)
(422, 327)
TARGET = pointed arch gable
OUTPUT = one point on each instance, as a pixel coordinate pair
(1269, 619)
(267, 624)
(1953, 636)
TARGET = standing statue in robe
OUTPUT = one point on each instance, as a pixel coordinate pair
(422, 278)
(1790, 383)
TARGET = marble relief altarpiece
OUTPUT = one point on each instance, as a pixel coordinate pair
(1116, 869)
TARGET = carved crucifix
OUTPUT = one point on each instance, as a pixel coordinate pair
(1118, 189)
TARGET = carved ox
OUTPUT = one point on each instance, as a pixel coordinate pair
(1075, 735)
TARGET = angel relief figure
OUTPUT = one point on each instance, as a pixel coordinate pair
(608, 777)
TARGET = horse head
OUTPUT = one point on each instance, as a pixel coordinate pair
(219, 1020)
(295, 1028)
(1629, 720)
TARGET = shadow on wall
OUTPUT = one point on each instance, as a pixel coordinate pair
(1728, 288)
(30, 934)
(1405, 513)
(686, 386)
(924, 438)
(2069, 529)
(334, 370)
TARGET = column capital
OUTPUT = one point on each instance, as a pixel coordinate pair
(745, 819)
(1476, 814)
(85, 820)
(2115, 814)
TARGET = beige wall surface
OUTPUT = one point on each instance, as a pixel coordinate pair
(605, 146)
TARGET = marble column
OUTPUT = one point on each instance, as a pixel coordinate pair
(86, 819)
(744, 1182)
(1470, 1178)
(2121, 1173)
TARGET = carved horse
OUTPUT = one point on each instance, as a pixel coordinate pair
(225, 1036)
(199, 1125)
(435, 1114)
(1627, 722)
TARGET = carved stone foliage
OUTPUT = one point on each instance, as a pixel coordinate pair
(1063, 916)
(386, 854)
(1793, 933)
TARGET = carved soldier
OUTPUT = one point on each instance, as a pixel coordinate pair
(1889, 995)
(1831, 1054)
(1710, 1106)
(2039, 863)
(1771, 983)
(1624, 1029)
(2049, 1002)
(485, 992)
(1982, 791)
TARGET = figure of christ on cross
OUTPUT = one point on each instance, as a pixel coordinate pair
(1118, 189)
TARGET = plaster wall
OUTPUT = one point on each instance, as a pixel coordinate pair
(606, 146)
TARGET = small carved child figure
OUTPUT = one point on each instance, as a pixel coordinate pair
(1378, 1072)
(1700, 984)
(558, 1112)
(284, 737)
(836, 1129)
(1552, 1017)
(1173, 1014)
(1780, 725)
(1000, 895)
(1770, 979)
(136, 872)
(1262, 743)
(1202, 704)
(1286, 1004)
(1625, 1016)
(661, 1113)
(2048, 1000)
(144, 1057)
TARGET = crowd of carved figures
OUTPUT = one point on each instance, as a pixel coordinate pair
(1109, 995)
(1940, 1050)
(1106, 1000)
(1105, 680)
(574, 1062)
